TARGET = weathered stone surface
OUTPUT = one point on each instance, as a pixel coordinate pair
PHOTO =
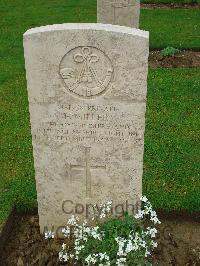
(119, 12)
(87, 88)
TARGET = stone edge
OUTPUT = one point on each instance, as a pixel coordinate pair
(88, 26)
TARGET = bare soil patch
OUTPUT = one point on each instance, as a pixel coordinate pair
(179, 244)
(183, 58)
(169, 6)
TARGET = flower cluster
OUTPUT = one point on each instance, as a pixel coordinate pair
(105, 209)
(81, 233)
(102, 210)
(148, 210)
(102, 258)
(91, 245)
(135, 242)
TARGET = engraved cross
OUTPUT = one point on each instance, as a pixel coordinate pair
(87, 167)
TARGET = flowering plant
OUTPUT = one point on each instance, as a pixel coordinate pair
(116, 241)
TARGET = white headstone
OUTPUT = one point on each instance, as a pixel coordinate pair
(119, 12)
(87, 87)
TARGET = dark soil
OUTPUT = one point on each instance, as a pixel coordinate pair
(169, 6)
(181, 59)
(179, 244)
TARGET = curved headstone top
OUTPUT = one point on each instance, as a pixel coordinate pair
(87, 86)
(88, 26)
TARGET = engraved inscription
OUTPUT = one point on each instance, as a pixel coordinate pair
(97, 123)
(87, 167)
(86, 71)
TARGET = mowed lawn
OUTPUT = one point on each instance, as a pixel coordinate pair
(179, 2)
(177, 28)
(172, 140)
(171, 146)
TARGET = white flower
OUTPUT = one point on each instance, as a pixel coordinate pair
(66, 231)
(94, 233)
(147, 253)
(139, 215)
(91, 259)
(129, 246)
(151, 232)
(102, 215)
(63, 256)
(155, 220)
(142, 243)
(49, 234)
(98, 258)
(121, 242)
(73, 220)
(87, 230)
(63, 246)
(144, 199)
(105, 209)
(153, 213)
(154, 244)
(121, 261)
(147, 209)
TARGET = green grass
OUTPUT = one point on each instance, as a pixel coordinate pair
(17, 172)
(169, 160)
(177, 28)
(180, 2)
(172, 141)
